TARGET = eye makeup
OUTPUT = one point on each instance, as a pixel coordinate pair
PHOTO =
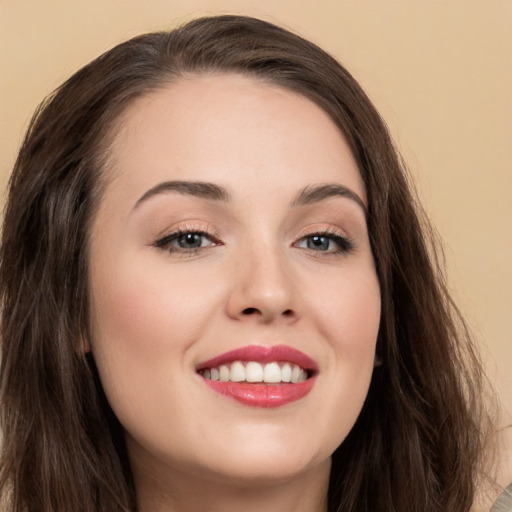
(329, 241)
(187, 240)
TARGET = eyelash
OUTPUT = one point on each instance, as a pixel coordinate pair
(166, 241)
(346, 245)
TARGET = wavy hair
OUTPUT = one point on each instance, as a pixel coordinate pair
(417, 443)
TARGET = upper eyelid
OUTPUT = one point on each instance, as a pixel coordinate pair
(206, 229)
(328, 231)
(188, 227)
(171, 235)
(327, 234)
(344, 240)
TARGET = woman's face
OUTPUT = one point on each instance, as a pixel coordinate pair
(234, 300)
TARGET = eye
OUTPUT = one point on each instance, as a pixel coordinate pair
(326, 242)
(186, 241)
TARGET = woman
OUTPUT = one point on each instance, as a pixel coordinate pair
(218, 293)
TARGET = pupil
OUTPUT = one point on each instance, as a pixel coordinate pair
(319, 242)
(190, 240)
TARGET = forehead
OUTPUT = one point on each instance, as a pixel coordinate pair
(218, 127)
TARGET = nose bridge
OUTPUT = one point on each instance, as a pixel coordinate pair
(262, 283)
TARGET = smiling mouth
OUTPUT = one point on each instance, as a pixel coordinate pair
(274, 372)
(260, 376)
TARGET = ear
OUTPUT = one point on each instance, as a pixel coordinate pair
(377, 361)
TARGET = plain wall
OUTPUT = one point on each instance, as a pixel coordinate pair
(440, 72)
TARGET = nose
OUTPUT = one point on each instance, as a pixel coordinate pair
(262, 288)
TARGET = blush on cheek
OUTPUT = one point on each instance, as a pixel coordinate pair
(351, 315)
(148, 312)
(130, 318)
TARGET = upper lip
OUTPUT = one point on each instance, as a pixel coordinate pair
(262, 354)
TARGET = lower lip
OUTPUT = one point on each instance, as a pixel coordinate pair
(262, 395)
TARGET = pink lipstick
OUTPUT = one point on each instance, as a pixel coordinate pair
(260, 376)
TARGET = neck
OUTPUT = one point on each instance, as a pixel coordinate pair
(179, 492)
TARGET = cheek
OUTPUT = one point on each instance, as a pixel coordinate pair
(147, 308)
(142, 326)
(347, 310)
(347, 314)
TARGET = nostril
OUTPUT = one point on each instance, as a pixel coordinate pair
(254, 311)
(250, 311)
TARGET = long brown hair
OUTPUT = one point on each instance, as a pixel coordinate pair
(417, 442)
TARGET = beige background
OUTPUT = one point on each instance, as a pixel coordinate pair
(440, 72)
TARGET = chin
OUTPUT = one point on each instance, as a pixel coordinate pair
(265, 471)
(266, 462)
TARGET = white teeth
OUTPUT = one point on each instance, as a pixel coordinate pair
(224, 373)
(272, 373)
(296, 374)
(286, 373)
(237, 372)
(251, 371)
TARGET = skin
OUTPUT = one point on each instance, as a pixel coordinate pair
(158, 312)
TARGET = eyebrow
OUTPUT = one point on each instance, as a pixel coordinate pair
(316, 193)
(190, 188)
(309, 195)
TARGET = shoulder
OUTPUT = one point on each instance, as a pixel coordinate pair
(499, 498)
(504, 501)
